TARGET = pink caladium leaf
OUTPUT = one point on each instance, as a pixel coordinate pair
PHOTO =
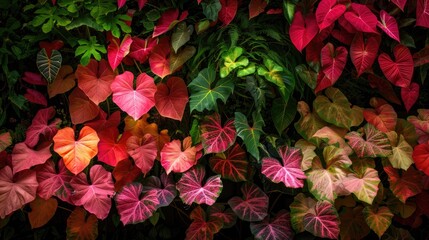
(168, 20)
(102, 122)
(410, 95)
(36, 97)
(159, 60)
(16, 190)
(400, 71)
(94, 80)
(218, 210)
(363, 52)
(323, 221)
(361, 18)
(333, 61)
(34, 78)
(81, 108)
(327, 12)
(95, 196)
(40, 126)
(422, 13)
(143, 150)
(389, 25)
(289, 171)
(121, 3)
(191, 188)
(256, 7)
(231, 164)
(405, 184)
(383, 117)
(228, 11)
(53, 182)
(24, 157)
(400, 3)
(116, 51)
(171, 98)
(253, 206)
(203, 226)
(112, 147)
(135, 207)
(177, 156)
(421, 157)
(215, 137)
(135, 102)
(375, 144)
(303, 29)
(141, 48)
(276, 228)
(141, 3)
(165, 187)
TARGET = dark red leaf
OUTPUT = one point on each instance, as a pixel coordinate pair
(256, 7)
(36, 97)
(34, 78)
(400, 71)
(400, 3)
(101, 122)
(124, 173)
(276, 228)
(231, 164)
(361, 18)
(274, 11)
(53, 182)
(171, 98)
(228, 11)
(333, 61)
(363, 53)
(141, 3)
(81, 108)
(343, 36)
(49, 46)
(323, 82)
(421, 57)
(227, 215)
(168, 20)
(254, 204)
(303, 29)
(141, 48)
(116, 51)
(410, 95)
(121, 3)
(111, 147)
(346, 25)
(202, 227)
(422, 13)
(327, 12)
(384, 88)
(39, 126)
(405, 184)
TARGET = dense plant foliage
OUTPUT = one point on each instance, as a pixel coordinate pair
(209, 119)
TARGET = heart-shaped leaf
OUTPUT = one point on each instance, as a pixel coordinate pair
(124, 173)
(250, 134)
(333, 61)
(42, 211)
(400, 3)
(228, 11)
(215, 137)
(181, 57)
(181, 36)
(174, 159)
(158, 59)
(81, 108)
(232, 59)
(112, 147)
(24, 157)
(253, 206)
(53, 182)
(49, 65)
(36, 97)
(94, 196)
(143, 151)
(333, 136)
(95, 79)
(116, 51)
(191, 188)
(421, 124)
(40, 126)
(300, 206)
(276, 228)
(218, 210)
(135, 207)
(165, 187)
(102, 122)
(401, 154)
(353, 223)
(323, 221)
(363, 184)
(303, 29)
(82, 225)
(410, 95)
(384, 88)
(389, 25)
(363, 53)
(379, 219)
(76, 153)
(64, 81)
(422, 13)
(168, 20)
(421, 157)
(203, 226)
(231, 164)
(375, 144)
(327, 12)
(400, 71)
(5, 140)
(361, 18)
(405, 184)
(309, 122)
(256, 7)
(140, 49)
(171, 98)
(382, 117)
(134, 100)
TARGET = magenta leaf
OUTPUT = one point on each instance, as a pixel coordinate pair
(227, 215)
(168, 20)
(277, 228)
(116, 51)
(333, 61)
(135, 102)
(410, 95)
(389, 25)
(363, 53)
(254, 204)
(112, 147)
(361, 18)
(400, 3)
(24, 157)
(141, 3)
(422, 13)
(102, 122)
(202, 227)
(36, 97)
(94, 196)
(135, 207)
(289, 172)
(303, 30)
(39, 126)
(165, 187)
(34, 78)
(191, 189)
(215, 137)
(400, 71)
(231, 164)
(141, 48)
(323, 221)
(327, 12)
(53, 183)
(143, 150)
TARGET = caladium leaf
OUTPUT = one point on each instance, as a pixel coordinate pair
(102, 122)
(124, 173)
(215, 137)
(401, 154)
(379, 219)
(276, 228)
(140, 49)
(289, 171)
(81, 108)
(94, 196)
(421, 157)
(95, 80)
(165, 187)
(204, 95)
(400, 71)
(333, 61)
(135, 207)
(410, 95)
(232, 59)
(228, 11)
(203, 226)
(137, 100)
(76, 153)
(17, 190)
(405, 184)
(253, 206)
(389, 25)
(298, 209)
(5, 140)
(353, 223)
(384, 87)
(159, 60)
(382, 117)
(227, 215)
(112, 147)
(422, 13)
(363, 52)
(256, 7)
(181, 36)
(421, 124)
(327, 12)
(34, 96)
(53, 182)
(34, 78)
(168, 20)
(363, 184)
(282, 78)
(143, 151)
(174, 159)
(191, 188)
(302, 29)
(64, 81)
(250, 134)
(283, 113)
(42, 211)
(171, 98)
(49, 65)
(361, 18)
(323, 221)
(117, 50)
(309, 122)
(375, 144)
(308, 153)
(24, 157)
(334, 136)
(121, 3)
(400, 3)
(231, 164)
(178, 59)
(40, 126)
(82, 225)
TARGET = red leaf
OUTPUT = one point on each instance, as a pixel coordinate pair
(39, 126)
(333, 61)
(117, 51)
(276, 228)
(121, 3)
(253, 206)
(135, 102)
(101, 123)
(81, 108)
(256, 7)
(158, 60)
(202, 226)
(410, 95)
(192, 190)
(275, 11)
(303, 29)
(36, 97)
(422, 13)
(112, 148)
(421, 157)
(24, 157)
(231, 164)
(94, 196)
(16, 190)
(361, 18)
(171, 98)
(384, 87)
(382, 117)
(323, 82)
(173, 159)
(289, 172)
(405, 184)
(42, 211)
(168, 20)
(363, 53)
(400, 3)
(346, 25)
(323, 221)
(421, 57)
(327, 12)
(400, 71)
(228, 11)
(34, 78)
(343, 36)
(215, 137)
(312, 51)
(95, 79)
(141, 3)
(124, 173)
(141, 48)
(53, 183)
(135, 207)
(165, 187)
(389, 25)
(143, 151)
(49, 46)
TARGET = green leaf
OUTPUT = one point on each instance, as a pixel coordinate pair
(401, 154)
(204, 95)
(378, 219)
(282, 78)
(232, 60)
(114, 23)
(307, 75)
(153, 15)
(195, 132)
(309, 123)
(102, 7)
(17, 100)
(88, 49)
(85, 20)
(250, 69)
(177, 60)
(283, 113)
(211, 9)
(257, 89)
(181, 35)
(250, 134)
(49, 66)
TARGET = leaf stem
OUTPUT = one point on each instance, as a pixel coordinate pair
(66, 209)
(137, 65)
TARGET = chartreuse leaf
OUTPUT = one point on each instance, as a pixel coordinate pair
(363, 184)
(307, 75)
(309, 123)
(181, 35)
(282, 78)
(298, 209)
(49, 65)
(88, 48)
(375, 144)
(204, 94)
(401, 154)
(378, 219)
(250, 134)
(232, 60)
(249, 69)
